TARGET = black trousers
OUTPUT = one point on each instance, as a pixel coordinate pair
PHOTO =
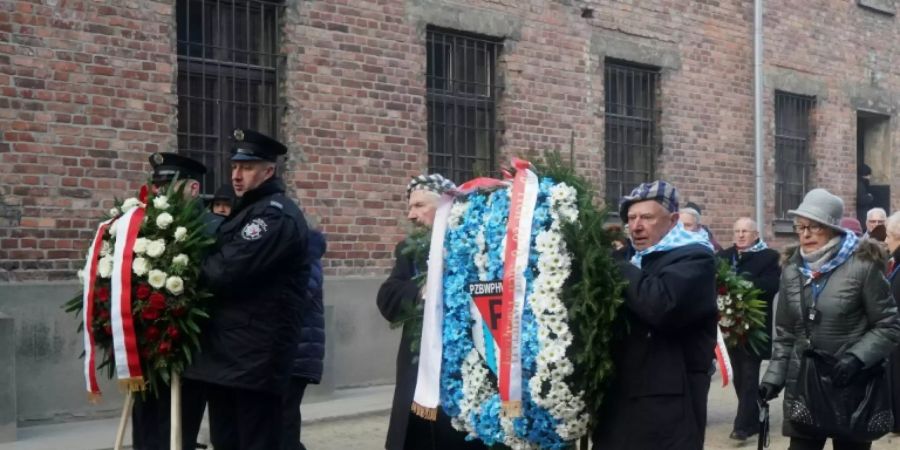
(241, 419)
(819, 444)
(291, 414)
(746, 385)
(422, 434)
(150, 417)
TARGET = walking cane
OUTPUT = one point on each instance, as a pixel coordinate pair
(123, 421)
(763, 441)
(175, 413)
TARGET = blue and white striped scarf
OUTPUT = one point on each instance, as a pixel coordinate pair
(757, 247)
(675, 238)
(848, 246)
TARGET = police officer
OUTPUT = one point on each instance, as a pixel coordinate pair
(151, 413)
(258, 272)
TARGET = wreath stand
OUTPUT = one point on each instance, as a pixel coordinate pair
(174, 415)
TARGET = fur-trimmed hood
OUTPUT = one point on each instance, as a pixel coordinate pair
(868, 250)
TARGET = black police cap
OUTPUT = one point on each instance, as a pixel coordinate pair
(250, 145)
(167, 165)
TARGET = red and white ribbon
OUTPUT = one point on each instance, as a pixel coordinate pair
(523, 198)
(125, 346)
(87, 310)
(722, 358)
(428, 380)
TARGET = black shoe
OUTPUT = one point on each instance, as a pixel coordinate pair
(740, 435)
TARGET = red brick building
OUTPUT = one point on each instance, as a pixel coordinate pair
(367, 93)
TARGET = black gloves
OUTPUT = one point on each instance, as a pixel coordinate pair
(768, 391)
(845, 369)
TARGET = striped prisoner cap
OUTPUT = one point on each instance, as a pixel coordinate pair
(661, 191)
(435, 183)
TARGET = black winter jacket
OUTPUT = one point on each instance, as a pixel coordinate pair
(311, 348)
(659, 392)
(258, 274)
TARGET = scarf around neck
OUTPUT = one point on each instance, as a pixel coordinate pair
(821, 262)
(757, 247)
(676, 237)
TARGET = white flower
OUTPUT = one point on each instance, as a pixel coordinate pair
(140, 245)
(161, 202)
(156, 248)
(175, 285)
(105, 266)
(112, 227)
(129, 204)
(729, 311)
(164, 220)
(180, 260)
(180, 234)
(140, 266)
(157, 278)
(105, 248)
(114, 211)
(746, 326)
(80, 274)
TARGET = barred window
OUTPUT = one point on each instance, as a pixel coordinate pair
(462, 93)
(793, 164)
(632, 116)
(228, 76)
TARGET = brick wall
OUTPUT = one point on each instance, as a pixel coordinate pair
(88, 93)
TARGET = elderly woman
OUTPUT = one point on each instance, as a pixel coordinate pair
(893, 242)
(835, 299)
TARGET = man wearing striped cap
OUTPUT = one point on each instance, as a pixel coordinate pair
(659, 392)
(398, 300)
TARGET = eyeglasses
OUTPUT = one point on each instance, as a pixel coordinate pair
(812, 228)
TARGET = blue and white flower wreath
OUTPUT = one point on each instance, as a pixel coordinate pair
(553, 412)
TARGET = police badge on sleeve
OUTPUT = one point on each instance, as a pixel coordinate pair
(254, 230)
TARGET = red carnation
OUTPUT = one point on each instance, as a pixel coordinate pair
(103, 314)
(152, 333)
(102, 294)
(150, 314)
(107, 329)
(173, 332)
(179, 311)
(157, 301)
(165, 347)
(723, 290)
(143, 291)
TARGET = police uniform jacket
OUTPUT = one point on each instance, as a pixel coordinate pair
(258, 275)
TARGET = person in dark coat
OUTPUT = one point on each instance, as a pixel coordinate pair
(758, 264)
(222, 201)
(397, 296)
(150, 415)
(659, 390)
(311, 349)
(893, 242)
(258, 272)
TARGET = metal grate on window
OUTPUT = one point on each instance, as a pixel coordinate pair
(462, 94)
(793, 164)
(632, 117)
(228, 76)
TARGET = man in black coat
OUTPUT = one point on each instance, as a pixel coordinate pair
(311, 348)
(758, 264)
(397, 297)
(258, 273)
(893, 242)
(661, 381)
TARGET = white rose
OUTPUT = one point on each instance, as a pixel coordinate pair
(140, 245)
(140, 266)
(180, 234)
(105, 266)
(180, 260)
(157, 278)
(112, 227)
(80, 274)
(114, 212)
(164, 220)
(175, 285)
(105, 248)
(161, 202)
(156, 248)
(129, 204)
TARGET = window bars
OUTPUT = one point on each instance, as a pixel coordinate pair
(462, 92)
(228, 77)
(631, 139)
(793, 164)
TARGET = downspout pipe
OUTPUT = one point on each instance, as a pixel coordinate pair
(759, 171)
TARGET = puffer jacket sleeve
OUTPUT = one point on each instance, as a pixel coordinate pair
(783, 343)
(883, 335)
